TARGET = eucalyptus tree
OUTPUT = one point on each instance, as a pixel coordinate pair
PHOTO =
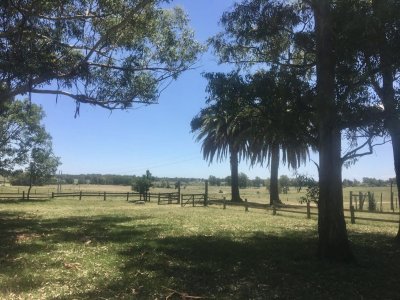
(375, 40)
(20, 131)
(43, 163)
(304, 34)
(219, 126)
(110, 53)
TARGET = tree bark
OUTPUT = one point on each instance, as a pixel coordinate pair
(273, 185)
(333, 242)
(234, 161)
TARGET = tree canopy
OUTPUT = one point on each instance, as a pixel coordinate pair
(21, 130)
(106, 53)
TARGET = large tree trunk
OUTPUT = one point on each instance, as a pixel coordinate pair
(273, 185)
(234, 161)
(333, 242)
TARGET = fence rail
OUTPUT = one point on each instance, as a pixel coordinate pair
(194, 199)
(168, 198)
(24, 196)
(311, 210)
(202, 199)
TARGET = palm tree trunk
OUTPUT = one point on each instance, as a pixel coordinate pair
(333, 242)
(273, 185)
(234, 161)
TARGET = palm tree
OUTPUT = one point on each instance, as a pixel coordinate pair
(280, 124)
(219, 127)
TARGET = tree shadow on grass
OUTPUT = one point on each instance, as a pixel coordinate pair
(219, 266)
(259, 267)
(25, 240)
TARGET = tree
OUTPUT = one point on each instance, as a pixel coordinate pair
(43, 164)
(243, 180)
(218, 126)
(21, 129)
(106, 53)
(214, 181)
(284, 183)
(143, 184)
(308, 35)
(281, 122)
(376, 37)
(258, 182)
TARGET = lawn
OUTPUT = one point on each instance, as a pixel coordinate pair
(92, 249)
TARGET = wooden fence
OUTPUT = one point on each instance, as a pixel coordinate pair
(204, 200)
(168, 198)
(128, 196)
(24, 196)
(194, 200)
(311, 210)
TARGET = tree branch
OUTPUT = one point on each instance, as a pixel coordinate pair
(81, 98)
(353, 153)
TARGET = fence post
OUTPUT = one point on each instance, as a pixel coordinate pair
(179, 192)
(159, 198)
(246, 206)
(351, 199)
(181, 200)
(273, 210)
(224, 202)
(127, 196)
(23, 195)
(352, 215)
(105, 197)
(169, 199)
(206, 193)
(381, 203)
(391, 201)
(193, 199)
(80, 195)
(149, 195)
(308, 210)
(52, 195)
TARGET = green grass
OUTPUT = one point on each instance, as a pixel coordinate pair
(91, 249)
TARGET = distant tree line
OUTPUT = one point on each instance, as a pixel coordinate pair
(22, 178)
(285, 181)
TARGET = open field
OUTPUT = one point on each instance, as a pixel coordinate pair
(70, 249)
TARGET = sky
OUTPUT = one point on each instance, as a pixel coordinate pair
(158, 137)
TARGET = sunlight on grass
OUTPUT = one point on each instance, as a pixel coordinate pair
(70, 249)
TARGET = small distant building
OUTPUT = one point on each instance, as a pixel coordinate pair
(76, 181)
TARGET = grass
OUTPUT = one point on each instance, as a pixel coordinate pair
(71, 249)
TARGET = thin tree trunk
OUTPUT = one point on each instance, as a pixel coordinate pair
(273, 185)
(234, 161)
(333, 242)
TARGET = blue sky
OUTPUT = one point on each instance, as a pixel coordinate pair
(158, 137)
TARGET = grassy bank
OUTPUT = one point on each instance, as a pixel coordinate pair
(66, 249)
